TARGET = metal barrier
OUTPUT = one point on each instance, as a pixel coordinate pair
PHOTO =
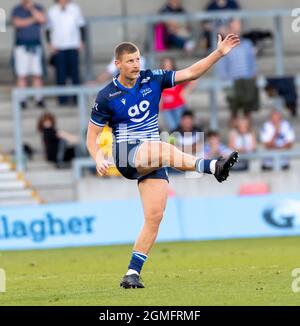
(211, 85)
(80, 163)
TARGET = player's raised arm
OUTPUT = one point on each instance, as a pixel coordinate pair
(93, 133)
(199, 68)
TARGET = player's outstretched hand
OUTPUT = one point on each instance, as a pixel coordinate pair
(229, 42)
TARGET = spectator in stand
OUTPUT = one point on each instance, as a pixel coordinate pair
(243, 140)
(217, 5)
(173, 103)
(240, 67)
(283, 93)
(66, 34)
(178, 34)
(28, 19)
(213, 147)
(188, 137)
(60, 146)
(277, 134)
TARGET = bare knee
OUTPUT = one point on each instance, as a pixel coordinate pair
(153, 219)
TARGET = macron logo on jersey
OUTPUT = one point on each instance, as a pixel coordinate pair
(123, 101)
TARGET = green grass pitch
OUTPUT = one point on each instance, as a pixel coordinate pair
(230, 272)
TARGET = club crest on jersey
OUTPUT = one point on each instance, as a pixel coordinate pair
(146, 91)
(123, 101)
(136, 110)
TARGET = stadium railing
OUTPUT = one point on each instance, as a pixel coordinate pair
(79, 164)
(212, 85)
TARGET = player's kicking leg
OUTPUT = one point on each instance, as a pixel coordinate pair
(153, 155)
(154, 194)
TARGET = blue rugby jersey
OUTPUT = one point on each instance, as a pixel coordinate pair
(132, 113)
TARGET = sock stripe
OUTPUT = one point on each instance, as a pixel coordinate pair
(203, 166)
(200, 165)
(139, 253)
(140, 256)
(143, 259)
(137, 261)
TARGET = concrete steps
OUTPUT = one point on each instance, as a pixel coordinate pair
(14, 188)
(18, 202)
(39, 179)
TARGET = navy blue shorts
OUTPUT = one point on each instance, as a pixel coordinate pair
(124, 154)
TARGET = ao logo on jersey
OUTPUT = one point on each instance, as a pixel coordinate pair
(136, 110)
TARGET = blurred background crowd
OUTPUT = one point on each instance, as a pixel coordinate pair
(52, 45)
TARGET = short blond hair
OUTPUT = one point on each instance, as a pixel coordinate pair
(125, 47)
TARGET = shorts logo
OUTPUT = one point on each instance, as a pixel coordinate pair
(137, 110)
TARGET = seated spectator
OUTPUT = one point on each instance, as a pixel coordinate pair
(178, 35)
(283, 92)
(239, 66)
(28, 19)
(173, 103)
(243, 140)
(188, 137)
(60, 146)
(217, 5)
(111, 71)
(275, 100)
(213, 147)
(277, 134)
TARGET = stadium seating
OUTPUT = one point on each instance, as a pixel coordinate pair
(57, 185)
(14, 189)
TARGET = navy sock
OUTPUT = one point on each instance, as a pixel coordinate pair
(203, 166)
(137, 261)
